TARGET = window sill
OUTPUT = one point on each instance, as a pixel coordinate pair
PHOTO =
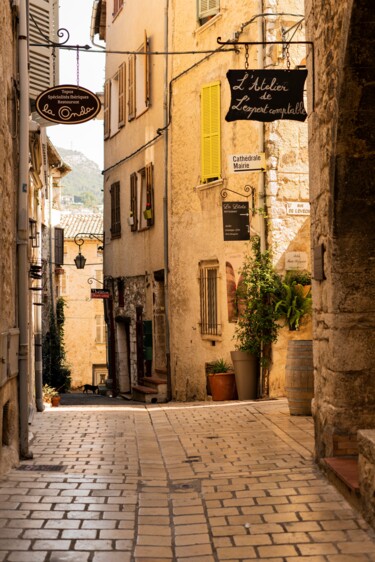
(209, 185)
(208, 337)
(208, 24)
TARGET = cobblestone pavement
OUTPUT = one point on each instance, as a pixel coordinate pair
(199, 482)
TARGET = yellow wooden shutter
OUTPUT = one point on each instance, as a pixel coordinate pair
(107, 108)
(210, 132)
(121, 94)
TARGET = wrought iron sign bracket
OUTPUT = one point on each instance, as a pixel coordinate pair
(285, 44)
(248, 188)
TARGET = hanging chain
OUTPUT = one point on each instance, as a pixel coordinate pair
(246, 57)
(54, 66)
(77, 57)
(287, 56)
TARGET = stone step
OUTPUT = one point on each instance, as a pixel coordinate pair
(343, 473)
(152, 381)
(145, 394)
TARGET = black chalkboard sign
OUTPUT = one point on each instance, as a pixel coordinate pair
(266, 95)
(236, 220)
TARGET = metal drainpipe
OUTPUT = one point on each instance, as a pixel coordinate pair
(37, 313)
(22, 231)
(165, 203)
(261, 184)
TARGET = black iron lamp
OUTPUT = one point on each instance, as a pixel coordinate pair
(80, 259)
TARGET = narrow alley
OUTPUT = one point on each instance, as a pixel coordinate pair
(198, 482)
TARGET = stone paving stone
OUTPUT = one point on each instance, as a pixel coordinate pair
(27, 557)
(70, 557)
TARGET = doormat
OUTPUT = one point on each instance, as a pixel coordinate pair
(41, 467)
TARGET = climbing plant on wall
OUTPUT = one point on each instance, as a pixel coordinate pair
(56, 372)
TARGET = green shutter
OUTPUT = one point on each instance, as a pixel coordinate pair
(210, 132)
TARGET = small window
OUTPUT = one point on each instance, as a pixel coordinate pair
(117, 5)
(131, 88)
(115, 210)
(207, 9)
(59, 246)
(142, 93)
(133, 219)
(210, 133)
(107, 108)
(121, 95)
(146, 198)
(101, 327)
(209, 307)
(62, 284)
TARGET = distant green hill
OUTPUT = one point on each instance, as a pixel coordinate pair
(85, 180)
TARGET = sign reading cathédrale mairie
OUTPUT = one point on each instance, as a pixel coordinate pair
(246, 162)
(68, 105)
(266, 95)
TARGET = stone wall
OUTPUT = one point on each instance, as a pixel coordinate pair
(8, 183)
(341, 150)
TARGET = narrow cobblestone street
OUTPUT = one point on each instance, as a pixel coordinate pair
(199, 482)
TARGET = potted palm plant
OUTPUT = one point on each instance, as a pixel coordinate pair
(257, 325)
(222, 381)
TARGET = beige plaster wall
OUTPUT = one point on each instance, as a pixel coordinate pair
(82, 351)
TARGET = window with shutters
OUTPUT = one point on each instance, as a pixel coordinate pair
(133, 219)
(207, 9)
(209, 301)
(117, 5)
(107, 108)
(146, 197)
(43, 18)
(115, 210)
(59, 246)
(121, 94)
(210, 133)
(100, 336)
(139, 81)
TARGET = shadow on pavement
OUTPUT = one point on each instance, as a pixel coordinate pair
(90, 399)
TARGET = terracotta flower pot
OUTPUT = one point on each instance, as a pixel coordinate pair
(55, 401)
(223, 386)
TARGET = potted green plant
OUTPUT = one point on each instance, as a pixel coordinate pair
(295, 302)
(51, 395)
(294, 305)
(222, 381)
(257, 325)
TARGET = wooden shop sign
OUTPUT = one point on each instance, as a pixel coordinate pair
(236, 220)
(68, 105)
(266, 95)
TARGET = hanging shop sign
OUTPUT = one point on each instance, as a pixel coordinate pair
(246, 162)
(296, 208)
(68, 105)
(266, 95)
(99, 294)
(236, 220)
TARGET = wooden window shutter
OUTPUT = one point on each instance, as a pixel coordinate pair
(131, 88)
(134, 201)
(210, 132)
(147, 72)
(150, 193)
(208, 8)
(59, 246)
(107, 109)
(43, 19)
(115, 210)
(121, 94)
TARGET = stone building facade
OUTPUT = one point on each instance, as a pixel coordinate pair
(341, 147)
(9, 446)
(153, 162)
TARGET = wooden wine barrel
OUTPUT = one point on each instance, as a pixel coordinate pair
(299, 377)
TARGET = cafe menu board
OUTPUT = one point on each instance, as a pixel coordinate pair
(236, 220)
(266, 95)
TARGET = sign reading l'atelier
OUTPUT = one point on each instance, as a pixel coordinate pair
(266, 95)
(68, 105)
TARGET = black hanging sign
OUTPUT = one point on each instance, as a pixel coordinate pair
(68, 105)
(266, 95)
(236, 220)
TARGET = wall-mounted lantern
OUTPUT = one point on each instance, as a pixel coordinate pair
(80, 259)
